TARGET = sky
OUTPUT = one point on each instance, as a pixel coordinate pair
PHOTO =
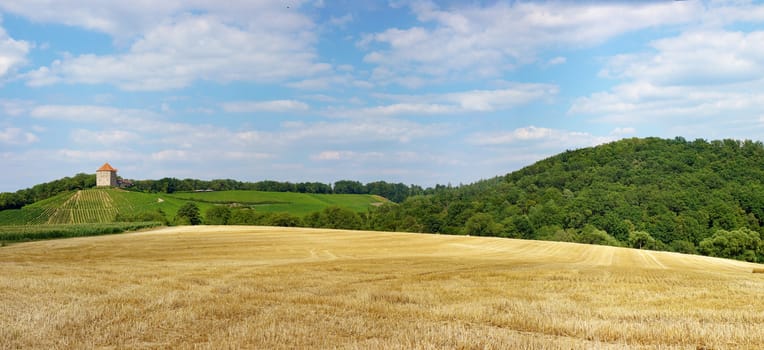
(418, 92)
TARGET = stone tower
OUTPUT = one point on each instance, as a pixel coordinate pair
(106, 176)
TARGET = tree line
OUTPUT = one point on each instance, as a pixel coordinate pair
(20, 198)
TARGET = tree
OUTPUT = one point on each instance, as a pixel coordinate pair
(349, 187)
(334, 217)
(482, 224)
(591, 235)
(188, 214)
(741, 244)
(641, 240)
(217, 215)
(284, 220)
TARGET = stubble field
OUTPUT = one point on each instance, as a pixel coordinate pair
(260, 287)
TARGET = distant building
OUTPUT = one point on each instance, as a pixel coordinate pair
(106, 176)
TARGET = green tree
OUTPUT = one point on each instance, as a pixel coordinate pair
(482, 224)
(284, 220)
(217, 215)
(188, 214)
(741, 244)
(641, 240)
(591, 235)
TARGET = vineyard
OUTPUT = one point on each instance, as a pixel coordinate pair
(85, 206)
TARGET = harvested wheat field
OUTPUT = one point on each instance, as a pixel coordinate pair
(259, 287)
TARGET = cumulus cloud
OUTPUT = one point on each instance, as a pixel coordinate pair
(91, 114)
(347, 156)
(103, 137)
(15, 107)
(205, 47)
(545, 137)
(687, 83)
(12, 53)
(486, 41)
(265, 106)
(516, 94)
(16, 136)
(695, 58)
(127, 19)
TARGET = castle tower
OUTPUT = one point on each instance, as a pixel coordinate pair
(106, 176)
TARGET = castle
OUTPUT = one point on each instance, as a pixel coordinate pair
(106, 176)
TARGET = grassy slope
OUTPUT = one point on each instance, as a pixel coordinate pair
(256, 287)
(296, 203)
(102, 205)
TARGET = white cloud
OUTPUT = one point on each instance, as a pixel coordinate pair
(363, 130)
(695, 58)
(12, 53)
(16, 136)
(544, 137)
(15, 107)
(104, 137)
(699, 83)
(515, 95)
(623, 131)
(171, 155)
(175, 54)
(92, 156)
(341, 21)
(90, 113)
(127, 19)
(265, 106)
(469, 41)
(556, 61)
(347, 156)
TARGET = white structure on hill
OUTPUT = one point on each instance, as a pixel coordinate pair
(106, 176)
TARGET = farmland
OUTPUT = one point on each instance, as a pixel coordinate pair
(298, 204)
(103, 205)
(234, 287)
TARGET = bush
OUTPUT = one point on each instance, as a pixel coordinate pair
(188, 214)
(334, 217)
(217, 215)
(591, 235)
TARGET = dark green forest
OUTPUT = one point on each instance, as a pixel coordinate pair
(677, 195)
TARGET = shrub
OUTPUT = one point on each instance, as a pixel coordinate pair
(188, 214)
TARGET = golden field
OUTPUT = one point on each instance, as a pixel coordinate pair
(258, 287)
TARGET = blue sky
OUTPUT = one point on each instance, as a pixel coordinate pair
(419, 92)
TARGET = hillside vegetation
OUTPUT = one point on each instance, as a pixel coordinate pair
(101, 205)
(263, 287)
(685, 196)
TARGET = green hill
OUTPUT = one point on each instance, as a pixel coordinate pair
(299, 204)
(686, 196)
(98, 205)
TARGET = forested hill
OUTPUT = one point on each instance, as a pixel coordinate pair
(686, 196)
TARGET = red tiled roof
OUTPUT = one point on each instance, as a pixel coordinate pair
(106, 167)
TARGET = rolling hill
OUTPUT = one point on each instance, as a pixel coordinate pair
(266, 287)
(666, 194)
(99, 205)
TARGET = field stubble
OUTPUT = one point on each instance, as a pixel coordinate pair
(256, 287)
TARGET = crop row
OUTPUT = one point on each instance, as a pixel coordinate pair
(36, 232)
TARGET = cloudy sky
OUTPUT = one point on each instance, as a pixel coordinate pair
(419, 92)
